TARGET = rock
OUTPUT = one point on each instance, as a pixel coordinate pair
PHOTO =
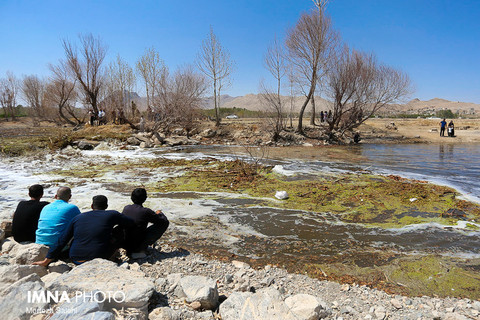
(103, 146)
(144, 145)
(6, 226)
(8, 245)
(267, 281)
(208, 133)
(281, 195)
(86, 145)
(476, 305)
(240, 264)
(28, 253)
(81, 307)
(2, 234)
(454, 316)
(380, 312)
(13, 273)
(434, 130)
(307, 307)
(59, 267)
(143, 137)
(196, 305)
(160, 283)
(207, 315)
(133, 141)
(163, 313)
(264, 304)
(49, 278)
(201, 289)
(397, 304)
(176, 141)
(16, 305)
(306, 144)
(129, 289)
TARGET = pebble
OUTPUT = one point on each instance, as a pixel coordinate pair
(343, 301)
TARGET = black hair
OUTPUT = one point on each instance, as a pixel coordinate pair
(35, 191)
(99, 202)
(139, 195)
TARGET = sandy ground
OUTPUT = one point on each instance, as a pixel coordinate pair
(466, 130)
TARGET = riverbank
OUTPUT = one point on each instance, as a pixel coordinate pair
(21, 137)
(173, 283)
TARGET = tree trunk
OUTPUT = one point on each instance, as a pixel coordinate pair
(312, 118)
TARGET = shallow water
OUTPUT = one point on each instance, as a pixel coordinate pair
(229, 222)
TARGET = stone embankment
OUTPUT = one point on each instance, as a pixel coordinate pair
(173, 284)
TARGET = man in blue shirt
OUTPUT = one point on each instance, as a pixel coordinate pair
(92, 234)
(443, 124)
(55, 218)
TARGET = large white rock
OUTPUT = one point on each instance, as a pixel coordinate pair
(306, 306)
(264, 304)
(106, 277)
(28, 253)
(15, 304)
(200, 289)
(269, 303)
(13, 273)
(81, 307)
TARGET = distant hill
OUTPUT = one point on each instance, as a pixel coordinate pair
(437, 104)
(253, 103)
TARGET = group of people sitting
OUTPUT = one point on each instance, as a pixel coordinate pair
(98, 233)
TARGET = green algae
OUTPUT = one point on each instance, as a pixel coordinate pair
(371, 200)
(430, 275)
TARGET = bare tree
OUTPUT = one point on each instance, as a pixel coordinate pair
(215, 63)
(310, 45)
(33, 89)
(120, 84)
(359, 86)
(274, 61)
(86, 67)
(61, 93)
(151, 69)
(9, 88)
(178, 99)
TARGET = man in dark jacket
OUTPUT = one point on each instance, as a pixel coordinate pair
(92, 234)
(139, 238)
(25, 218)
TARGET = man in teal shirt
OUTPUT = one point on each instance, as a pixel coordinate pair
(55, 218)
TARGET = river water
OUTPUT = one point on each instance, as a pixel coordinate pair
(238, 225)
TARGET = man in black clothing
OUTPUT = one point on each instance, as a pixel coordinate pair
(25, 218)
(92, 234)
(140, 237)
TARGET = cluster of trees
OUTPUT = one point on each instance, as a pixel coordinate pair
(311, 60)
(314, 61)
(82, 79)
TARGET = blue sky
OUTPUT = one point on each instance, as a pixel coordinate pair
(437, 42)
